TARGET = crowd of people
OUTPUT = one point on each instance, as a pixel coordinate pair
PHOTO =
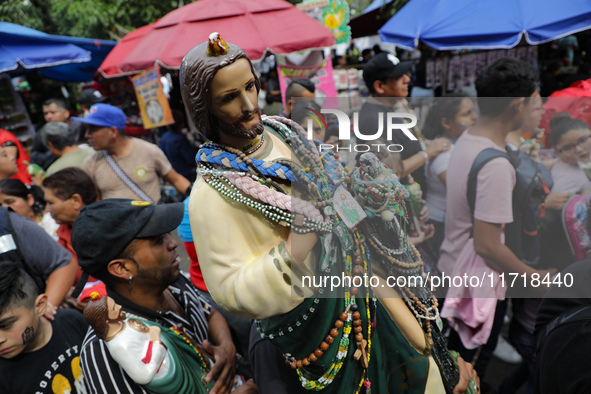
(93, 299)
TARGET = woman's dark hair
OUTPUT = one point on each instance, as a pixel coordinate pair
(443, 107)
(14, 187)
(562, 123)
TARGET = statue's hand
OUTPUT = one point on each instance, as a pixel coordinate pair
(154, 333)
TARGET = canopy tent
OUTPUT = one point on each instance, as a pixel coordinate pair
(370, 20)
(109, 67)
(68, 59)
(254, 25)
(484, 24)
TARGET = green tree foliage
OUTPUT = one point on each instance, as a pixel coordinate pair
(112, 19)
(105, 19)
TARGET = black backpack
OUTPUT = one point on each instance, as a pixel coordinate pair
(532, 184)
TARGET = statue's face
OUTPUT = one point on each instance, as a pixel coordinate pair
(114, 311)
(234, 100)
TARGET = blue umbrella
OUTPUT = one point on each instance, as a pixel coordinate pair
(63, 58)
(375, 4)
(22, 49)
(485, 24)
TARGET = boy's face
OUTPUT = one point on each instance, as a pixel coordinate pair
(53, 113)
(19, 328)
(526, 108)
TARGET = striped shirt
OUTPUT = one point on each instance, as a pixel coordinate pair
(103, 375)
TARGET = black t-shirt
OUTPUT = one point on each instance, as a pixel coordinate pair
(368, 125)
(562, 364)
(53, 368)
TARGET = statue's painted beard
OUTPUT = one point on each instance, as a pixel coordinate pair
(238, 129)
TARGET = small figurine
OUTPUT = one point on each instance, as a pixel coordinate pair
(162, 360)
(377, 188)
(532, 146)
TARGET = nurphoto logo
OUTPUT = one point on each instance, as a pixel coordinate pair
(344, 124)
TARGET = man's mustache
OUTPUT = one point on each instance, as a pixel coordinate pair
(245, 116)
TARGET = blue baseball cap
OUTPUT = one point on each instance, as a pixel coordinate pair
(104, 115)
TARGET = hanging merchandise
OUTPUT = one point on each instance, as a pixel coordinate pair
(468, 67)
(334, 14)
(454, 73)
(151, 99)
(13, 114)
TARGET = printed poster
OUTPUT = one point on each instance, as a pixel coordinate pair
(320, 75)
(153, 104)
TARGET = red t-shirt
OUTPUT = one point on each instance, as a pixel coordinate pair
(194, 268)
(64, 234)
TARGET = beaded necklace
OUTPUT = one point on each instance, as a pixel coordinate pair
(257, 141)
(274, 213)
(212, 153)
(202, 360)
(233, 174)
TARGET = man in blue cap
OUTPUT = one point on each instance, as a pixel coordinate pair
(137, 164)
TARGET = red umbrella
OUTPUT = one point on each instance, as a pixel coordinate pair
(575, 100)
(109, 68)
(253, 25)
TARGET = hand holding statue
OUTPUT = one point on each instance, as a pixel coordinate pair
(157, 358)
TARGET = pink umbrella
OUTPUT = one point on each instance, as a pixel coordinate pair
(253, 25)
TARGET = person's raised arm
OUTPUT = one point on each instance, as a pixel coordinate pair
(488, 245)
(178, 181)
(419, 159)
(59, 283)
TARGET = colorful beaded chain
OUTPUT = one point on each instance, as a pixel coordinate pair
(272, 212)
(257, 141)
(202, 360)
(344, 317)
(323, 173)
(381, 193)
(290, 327)
(328, 377)
(423, 312)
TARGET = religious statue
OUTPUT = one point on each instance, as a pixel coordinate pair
(273, 218)
(162, 360)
